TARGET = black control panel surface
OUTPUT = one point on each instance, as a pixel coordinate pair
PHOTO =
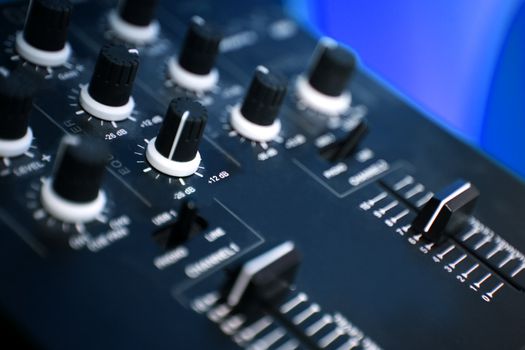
(208, 175)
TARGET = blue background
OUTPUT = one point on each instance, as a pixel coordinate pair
(461, 61)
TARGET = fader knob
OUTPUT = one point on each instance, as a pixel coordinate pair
(73, 192)
(44, 38)
(447, 212)
(16, 97)
(134, 21)
(266, 276)
(175, 151)
(256, 119)
(194, 68)
(323, 87)
(108, 95)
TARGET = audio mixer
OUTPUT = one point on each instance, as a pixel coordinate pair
(208, 175)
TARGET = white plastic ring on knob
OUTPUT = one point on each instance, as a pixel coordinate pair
(102, 111)
(41, 57)
(131, 33)
(329, 105)
(189, 80)
(168, 166)
(69, 211)
(252, 131)
(15, 148)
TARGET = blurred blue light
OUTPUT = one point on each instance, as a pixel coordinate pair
(456, 59)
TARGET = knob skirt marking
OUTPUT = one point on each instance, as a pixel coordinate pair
(168, 166)
(41, 57)
(191, 81)
(68, 211)
(252, 131)
(15, 148)
(132, 33)
(101, 111)
(329, 105)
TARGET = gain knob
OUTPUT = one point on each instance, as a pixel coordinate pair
(194, 68)
(324, 87)
(256, 119)
(134, 21)
(108, 95)
(175, 150)
(16, 98)
(73, 192)
(44, 38)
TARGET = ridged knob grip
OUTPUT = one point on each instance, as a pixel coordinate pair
(79, 168)
(182, 129)
(114, 74)
(264, 97)
(47, 23)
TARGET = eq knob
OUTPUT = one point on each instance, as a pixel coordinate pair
(324, 87)
(194, 68)
(73, 192)
(256, 118)
(16, 96)
(44, 38)
(134, 21)
(108, 95)
(175, 150)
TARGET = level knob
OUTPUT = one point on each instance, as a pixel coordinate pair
(256, 119)
(108, 95)
(73, 193)
(44, 38)
(194, 67)
(175, 150)
(16, 98)
(134, 21)
(323, 87)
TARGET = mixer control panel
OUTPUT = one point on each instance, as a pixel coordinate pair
(205, 175)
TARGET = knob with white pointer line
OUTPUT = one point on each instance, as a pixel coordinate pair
(447, 212)
(175, 150)
(323, 87)
(44, 38)
(194, 68)
(108, 95)
(134, 21)
(73, 193)
(256, 119)
(16, 96)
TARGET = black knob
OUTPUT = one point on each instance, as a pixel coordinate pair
(345, 147)
(46, 24)
(181, 132)
(16, 98)
(200, 47)
(79, 168)
(138, 12)
(331, 69)
(447, 212)
(264, 97)
(114, 74)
